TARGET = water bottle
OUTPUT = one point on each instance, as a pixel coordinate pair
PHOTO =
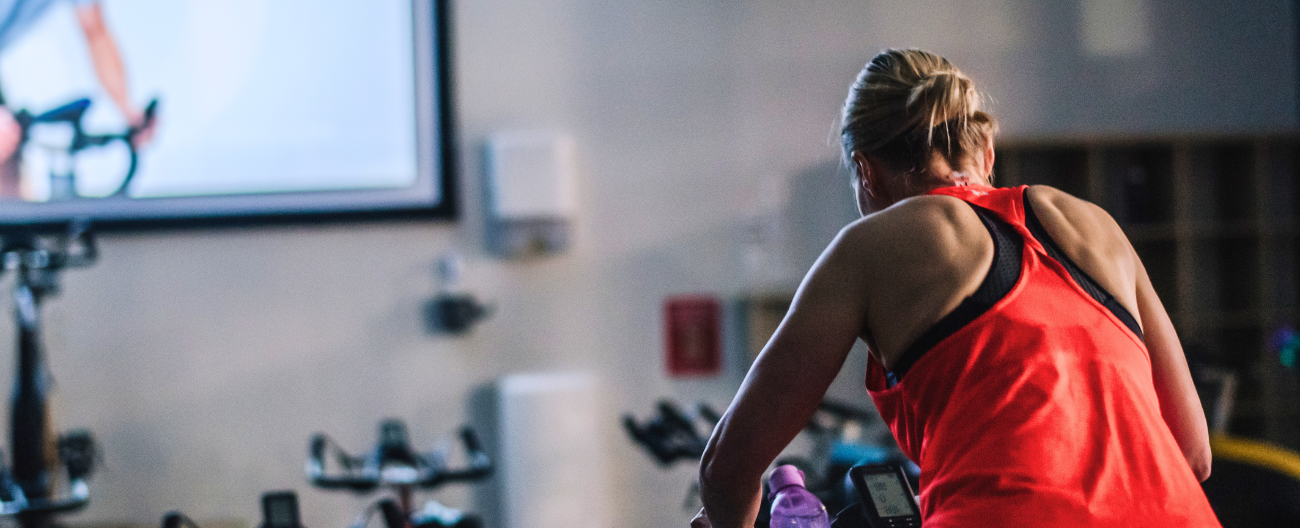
(793, 506)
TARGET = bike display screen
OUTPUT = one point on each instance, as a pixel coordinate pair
(230, 109)
(280, 510)
(888, 495)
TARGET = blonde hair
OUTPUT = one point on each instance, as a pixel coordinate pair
(908, 105)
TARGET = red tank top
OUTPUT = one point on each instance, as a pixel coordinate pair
(1039, 412)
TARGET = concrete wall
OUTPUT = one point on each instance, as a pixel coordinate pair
(203, 360)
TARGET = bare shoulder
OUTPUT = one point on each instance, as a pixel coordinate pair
(1067, 216)
(1092, 239)
(913, 227)
(1058, 198)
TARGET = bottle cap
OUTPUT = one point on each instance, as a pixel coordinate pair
(784, 476)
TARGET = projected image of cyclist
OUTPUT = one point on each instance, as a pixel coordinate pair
(16, 18)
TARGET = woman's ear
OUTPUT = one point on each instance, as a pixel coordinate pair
(988, 158)
(865, 177)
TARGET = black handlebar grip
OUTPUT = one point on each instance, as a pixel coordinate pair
(471, 440)
(146, 119)
(633, 430)
(150, 110)
(653, 439)
(317, 449)
(674, 415)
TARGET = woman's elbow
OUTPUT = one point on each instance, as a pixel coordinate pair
(720, 472)
(1202, 469)
(1200, 463)
(712, 473)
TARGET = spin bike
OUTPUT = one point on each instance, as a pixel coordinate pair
(842, 435)
(62, 149)
(394, 465)
(29, 488)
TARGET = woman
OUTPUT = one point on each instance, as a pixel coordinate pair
(1018, 350)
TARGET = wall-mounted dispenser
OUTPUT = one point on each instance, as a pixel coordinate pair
(530, 191)
(454, 310)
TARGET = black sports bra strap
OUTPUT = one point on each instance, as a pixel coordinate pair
(1089, 285)
(1004, 273)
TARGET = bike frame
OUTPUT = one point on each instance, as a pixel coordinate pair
(31, 480)
(63, 185)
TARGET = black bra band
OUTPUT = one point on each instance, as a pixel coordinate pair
(1086, 282)
(1008, 249)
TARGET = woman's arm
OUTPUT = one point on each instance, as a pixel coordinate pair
(1179, 404)
(104, 55)
(785, 384)
(107, 60)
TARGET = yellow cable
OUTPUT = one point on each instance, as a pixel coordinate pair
(1256, 453)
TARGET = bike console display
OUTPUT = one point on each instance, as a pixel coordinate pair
(887, 500)
(280, 510)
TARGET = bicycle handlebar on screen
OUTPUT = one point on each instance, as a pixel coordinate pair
(72, 114)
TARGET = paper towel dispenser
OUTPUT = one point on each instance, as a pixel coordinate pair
(531, 192)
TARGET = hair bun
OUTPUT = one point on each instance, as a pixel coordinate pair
(906, 105)
(942, 95)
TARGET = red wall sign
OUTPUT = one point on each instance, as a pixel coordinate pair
(692, 335)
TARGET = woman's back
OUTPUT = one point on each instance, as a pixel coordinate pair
(923, 256)
(1023, 409)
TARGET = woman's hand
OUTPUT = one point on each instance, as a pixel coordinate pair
(701, 520)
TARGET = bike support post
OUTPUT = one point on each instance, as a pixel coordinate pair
(30, 411)
(407, 503)
(39, 456)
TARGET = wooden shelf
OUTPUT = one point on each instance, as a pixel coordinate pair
(1150, 232)
(1207, 229)
(1220, 319)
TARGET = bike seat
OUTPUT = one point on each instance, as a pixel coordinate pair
(70, 113)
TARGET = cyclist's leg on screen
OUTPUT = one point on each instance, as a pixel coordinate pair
(10, 164)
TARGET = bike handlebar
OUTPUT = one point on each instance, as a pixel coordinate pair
(393, 463)
(72, 114)
(74, 249)
(670, 436)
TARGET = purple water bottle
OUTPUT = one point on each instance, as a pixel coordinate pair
(793, 506)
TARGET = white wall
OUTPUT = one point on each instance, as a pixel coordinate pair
(203, 360)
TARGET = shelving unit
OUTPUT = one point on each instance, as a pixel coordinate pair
(1214, 220)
